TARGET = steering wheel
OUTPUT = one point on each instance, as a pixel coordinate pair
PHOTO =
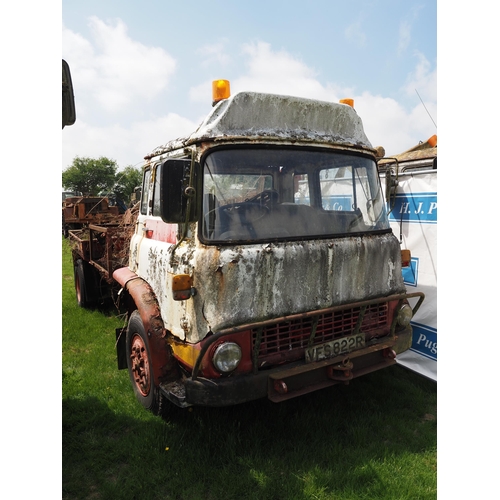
(246, 212)
(266, 197)
(242, 214)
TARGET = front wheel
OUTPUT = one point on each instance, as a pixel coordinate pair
(140, 368)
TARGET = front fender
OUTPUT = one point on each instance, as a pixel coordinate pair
(147, 305)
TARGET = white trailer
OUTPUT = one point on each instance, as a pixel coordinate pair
(410, 184)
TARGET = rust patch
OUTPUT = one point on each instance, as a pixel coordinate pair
(253, 283)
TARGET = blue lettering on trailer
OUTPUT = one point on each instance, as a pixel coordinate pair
(337, 202)
(415, 207)
(424, 341)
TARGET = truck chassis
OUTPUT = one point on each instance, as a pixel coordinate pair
(98, 250)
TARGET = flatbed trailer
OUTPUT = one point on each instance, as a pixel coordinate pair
(98, 250)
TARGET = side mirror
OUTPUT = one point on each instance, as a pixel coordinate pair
(68, 98)
(177, 195)
(136, 195)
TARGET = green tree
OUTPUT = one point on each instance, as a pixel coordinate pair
(126, 181)
(90, 175)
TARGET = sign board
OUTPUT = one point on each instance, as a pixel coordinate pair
(413, 218)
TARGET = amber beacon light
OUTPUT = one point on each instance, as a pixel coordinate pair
(220, 90)
(349, 102)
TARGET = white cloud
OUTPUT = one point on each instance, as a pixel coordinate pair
(387, 123)
(269, 71)
(354, 33)
(127, 144)
(140, 71)
(215, 53)
(113, 69)
(423, 78)
(404, 36)
(405, 28)
(277, 72)
(202, 93)
(391, 125)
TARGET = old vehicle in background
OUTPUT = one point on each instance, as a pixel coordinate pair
(80, 211)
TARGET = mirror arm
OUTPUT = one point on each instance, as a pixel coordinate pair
(391, 185)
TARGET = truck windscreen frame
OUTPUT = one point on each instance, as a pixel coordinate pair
(258, 194)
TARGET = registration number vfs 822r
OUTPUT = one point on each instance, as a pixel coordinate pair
(335, 348)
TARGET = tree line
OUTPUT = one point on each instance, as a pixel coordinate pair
(100, 176)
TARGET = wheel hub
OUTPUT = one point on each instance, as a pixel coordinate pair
(140, 365)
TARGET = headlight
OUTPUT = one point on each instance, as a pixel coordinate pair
(404, 315)
(227, 357)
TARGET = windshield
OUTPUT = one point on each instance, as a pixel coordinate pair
(263, 194)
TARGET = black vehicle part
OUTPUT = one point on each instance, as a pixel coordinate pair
(86, 285)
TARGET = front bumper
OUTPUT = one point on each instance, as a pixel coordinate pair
(291, 380)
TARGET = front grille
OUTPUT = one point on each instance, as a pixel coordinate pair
(287, 341)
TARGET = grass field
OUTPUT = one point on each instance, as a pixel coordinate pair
(375, 438)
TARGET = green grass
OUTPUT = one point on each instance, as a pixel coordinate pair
(373, 439)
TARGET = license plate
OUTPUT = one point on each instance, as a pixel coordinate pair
(335, 348)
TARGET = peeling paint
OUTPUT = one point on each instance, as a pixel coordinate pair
(252, 283)
(255, 282)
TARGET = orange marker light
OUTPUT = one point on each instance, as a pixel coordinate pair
(349, 102)
(181, 286)
(220, 90)
(405, 258)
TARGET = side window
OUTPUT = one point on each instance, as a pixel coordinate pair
(156, 192)
(145, 192)
(337, 188)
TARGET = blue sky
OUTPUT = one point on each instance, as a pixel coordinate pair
(142, 71)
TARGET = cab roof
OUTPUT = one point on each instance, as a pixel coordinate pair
(254, 116)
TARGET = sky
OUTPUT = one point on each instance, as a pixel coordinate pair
(142, 71)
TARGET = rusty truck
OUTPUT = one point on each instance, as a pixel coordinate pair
(261, 263)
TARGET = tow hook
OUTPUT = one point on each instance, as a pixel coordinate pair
(389, 353)
(341, 372)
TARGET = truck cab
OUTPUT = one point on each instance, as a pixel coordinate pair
(262, 262)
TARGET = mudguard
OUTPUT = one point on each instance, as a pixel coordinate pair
(146, 303)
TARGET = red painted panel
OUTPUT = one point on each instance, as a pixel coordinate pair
(161, 231)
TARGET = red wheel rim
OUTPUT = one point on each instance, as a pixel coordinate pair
(140, 365)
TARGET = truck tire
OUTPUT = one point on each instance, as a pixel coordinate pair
(84, 284)
(64, 228)
(140, 368)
